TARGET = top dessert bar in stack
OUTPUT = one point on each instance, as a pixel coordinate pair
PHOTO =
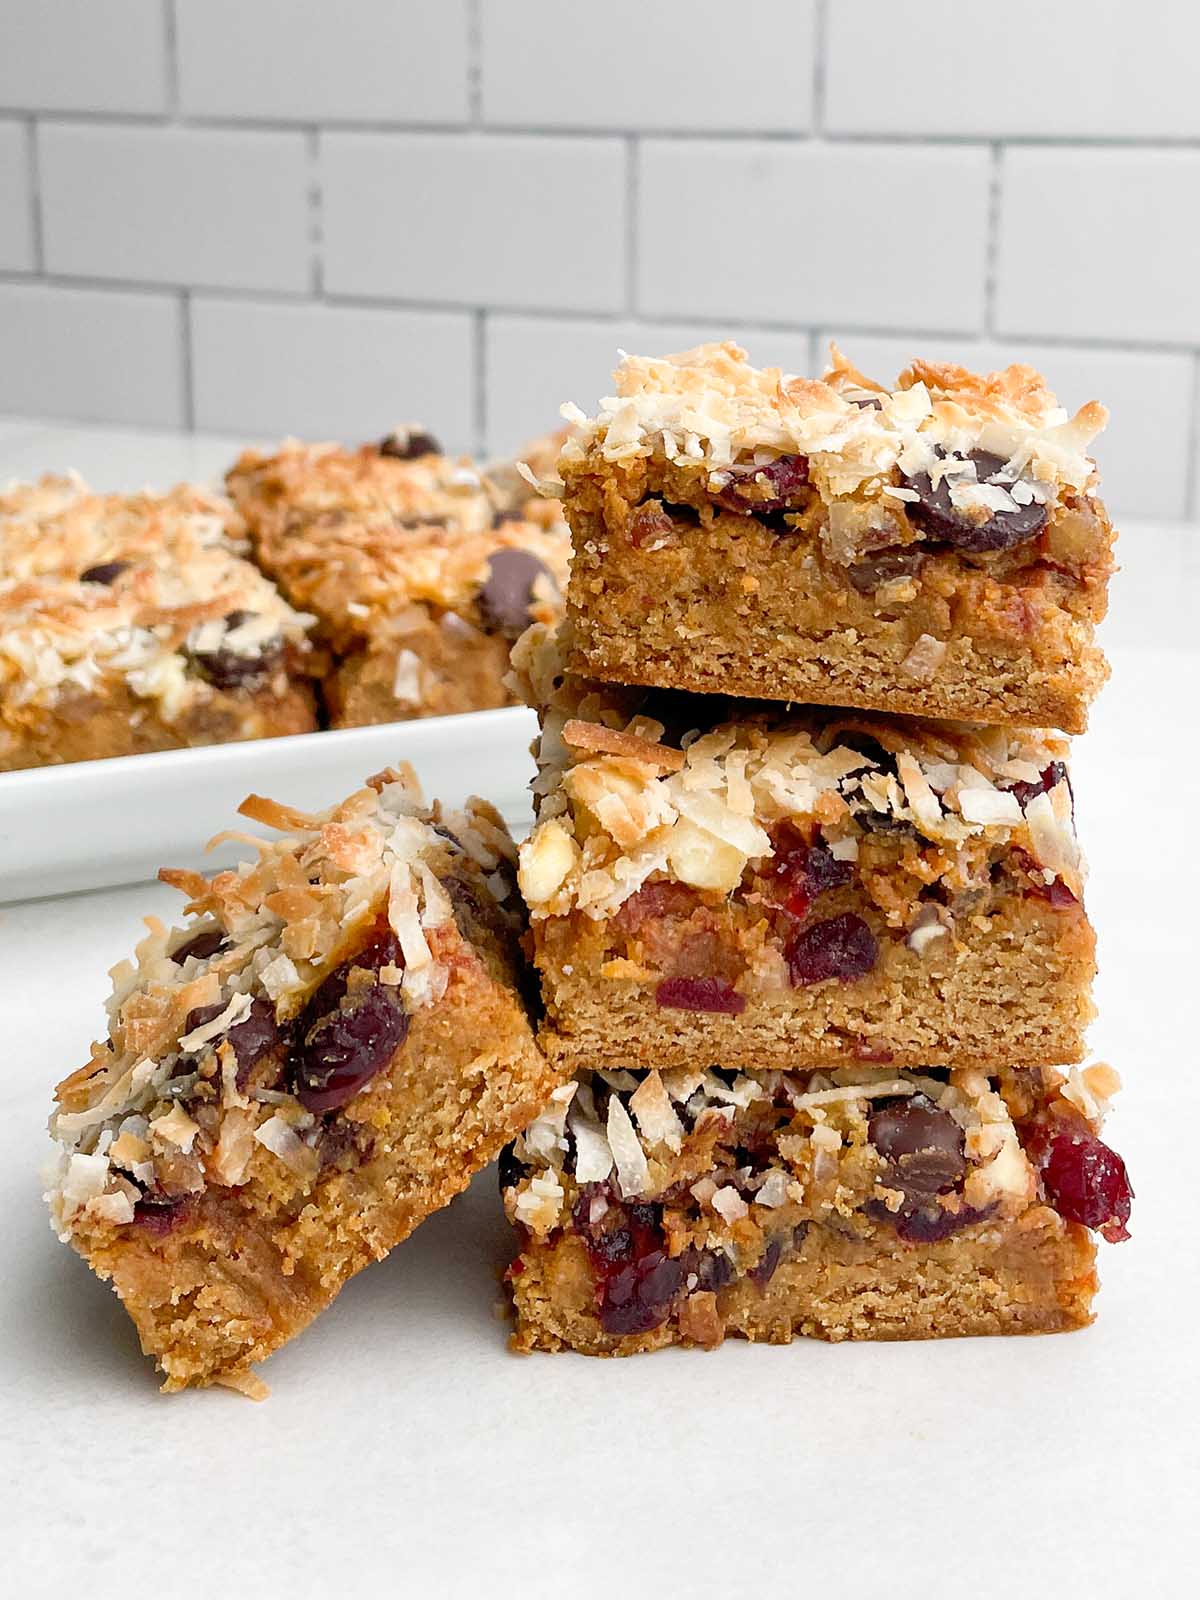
(938, 549)
(419, 570)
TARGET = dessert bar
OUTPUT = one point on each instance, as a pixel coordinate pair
(131, 623)
(418, 580)
(859, 1202)
(938, 549)
(323, 1055)
(779, 888)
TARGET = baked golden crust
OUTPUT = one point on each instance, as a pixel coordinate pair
(325, 1054)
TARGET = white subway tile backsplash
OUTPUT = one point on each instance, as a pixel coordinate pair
(83, 55)
(649, 67)
(460, 212)
(176, 205)
(505, 220)
(534, 364)
(869, 234)
(1142, 454)
(310, 61)
(92, 353)
(1100, 244)
(16, 205)
(331, 371)
(1032, 69)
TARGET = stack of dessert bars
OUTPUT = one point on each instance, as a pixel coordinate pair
(805, 891)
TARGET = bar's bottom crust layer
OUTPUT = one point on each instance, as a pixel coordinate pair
(1035, 1274)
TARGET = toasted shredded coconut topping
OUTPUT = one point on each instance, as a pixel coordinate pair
(165, 588)
(616, 805)
(830, 1109)
(710, 410)
(276, 927)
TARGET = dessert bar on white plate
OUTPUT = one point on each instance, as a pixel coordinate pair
(94, 824)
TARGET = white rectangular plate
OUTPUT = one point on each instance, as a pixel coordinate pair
(98, 823)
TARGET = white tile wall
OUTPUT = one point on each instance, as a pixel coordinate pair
(1102, 68)
(311, 61)
(492, 219)
(331, 372)
(1100, 244)
(614, 73)
(16, 206)
(92, 353)
(176, 205)
(84, 55)
(290, 215)
(812, 232)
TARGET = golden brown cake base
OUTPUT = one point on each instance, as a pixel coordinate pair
(1011, 987)
(1035, 1275)
(113, 721)
(440, 670)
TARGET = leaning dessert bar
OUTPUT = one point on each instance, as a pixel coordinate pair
(323, 1055)
(860, 1202)
(419, 581)
(132, 623)
(773, 888)
(937, 549)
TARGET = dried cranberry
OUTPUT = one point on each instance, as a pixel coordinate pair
(201, 946)
(638, 1297)
(1051, 777)
(804, 871)
(762, 1274)
(254, 1037)
(904, 561)
(700, 994)
(105, 572)
(666, 899)
(841, 947)
(159, 1213)
(408, 446)
(344, 1050)
(934, 513)
(1086, 1181)
(507, 592)
(922, 1145)
(382, 951)
(781, 479)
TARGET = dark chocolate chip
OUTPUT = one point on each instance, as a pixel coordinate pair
(408, 446)
(106, 572)
(226, 669)
(922, 1145)
(201, 945)
(1003, 530)
(505, 597)
(905, 561)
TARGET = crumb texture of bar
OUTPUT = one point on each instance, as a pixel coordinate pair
(859, 1202)
(778, 887)
(324, 1054)
(938, 549)
(420, 569)
(131, 623)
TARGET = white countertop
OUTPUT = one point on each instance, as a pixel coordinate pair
(405, 1451)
